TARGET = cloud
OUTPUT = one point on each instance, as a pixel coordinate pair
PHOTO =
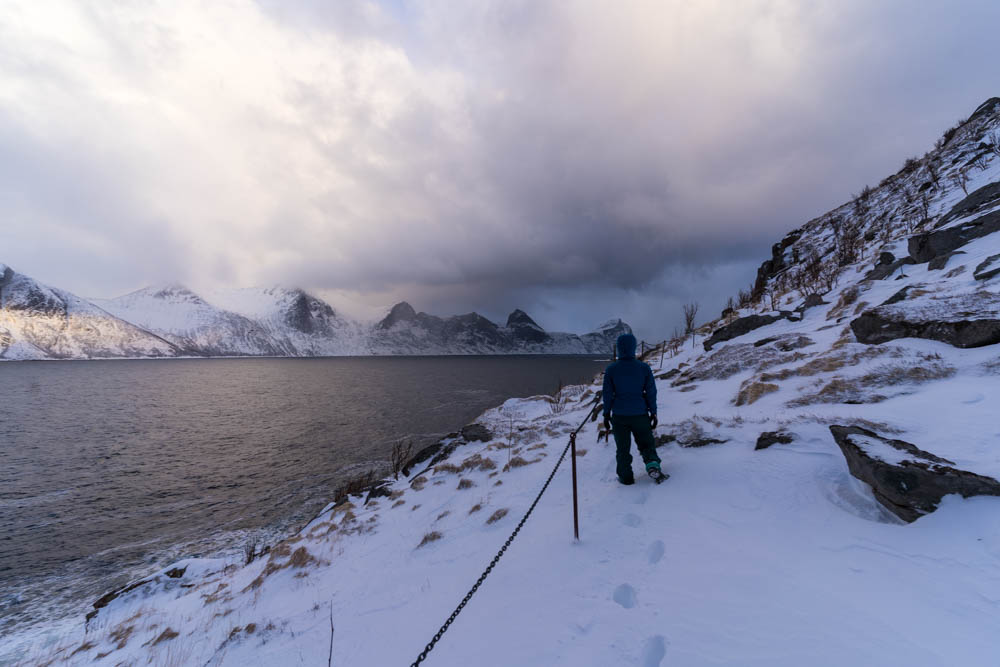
(465, 156)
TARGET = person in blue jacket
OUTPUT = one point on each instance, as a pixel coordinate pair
(630, 410)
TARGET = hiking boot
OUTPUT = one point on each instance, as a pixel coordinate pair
(627, 482)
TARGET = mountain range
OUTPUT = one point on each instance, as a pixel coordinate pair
(42, 322)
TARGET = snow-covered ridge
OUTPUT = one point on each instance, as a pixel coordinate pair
(761, 549)
(172, 320)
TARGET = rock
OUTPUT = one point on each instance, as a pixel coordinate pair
(673, 372)
(423, 455)
(941, 261)
(988, 268)
(927, 246)
(739, 327)
(964, 321)
(883, 271)
(811, 301)
(886, 258)
(476, 432)
(768, 438)
(978, 200)
(701, 442)
(176, 573)
(908, 481)
(379, 489)
(664, 438)
(794, 342)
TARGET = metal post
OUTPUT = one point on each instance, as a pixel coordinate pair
(576, 519)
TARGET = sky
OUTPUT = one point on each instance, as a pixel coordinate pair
(579, 160)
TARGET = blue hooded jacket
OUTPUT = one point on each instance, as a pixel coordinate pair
(629, 387)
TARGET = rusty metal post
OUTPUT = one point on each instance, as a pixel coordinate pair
(576, 518)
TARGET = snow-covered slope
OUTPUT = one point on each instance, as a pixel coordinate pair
(191, 323)
(761, 549)
(40, 322)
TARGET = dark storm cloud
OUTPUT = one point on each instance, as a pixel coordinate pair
(617, 159)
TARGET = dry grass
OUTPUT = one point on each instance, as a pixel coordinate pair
(478, 462)
(518, 462)
(476, 508)
(164, 636)
(432, 536)
(538, 446)
(752, 392)
(496, 516)
(398, 503)
(418, 483)
(442, 515)
(82, 648)
(395, 494)
(847, 297)
(465, 484)
(581, 452)
(444, 468)
(859, 389)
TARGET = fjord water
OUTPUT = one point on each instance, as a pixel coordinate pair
(111, 469)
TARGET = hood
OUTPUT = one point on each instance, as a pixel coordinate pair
(626, 346)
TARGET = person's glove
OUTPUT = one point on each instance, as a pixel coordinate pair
(607, 423)
(653, 421)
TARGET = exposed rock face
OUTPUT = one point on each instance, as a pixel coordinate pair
(739, 327)
(963, 320)
(988, 268)
(883, 270)
(768, 438)
(925, 247)
(401, 312)
(980, 199)
(907, 480)
(773, 266)
(524, 328)
(476, 433)
(941, 261)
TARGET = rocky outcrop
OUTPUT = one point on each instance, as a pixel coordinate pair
(887, 266)
(476, 433)
(982, 198)
(965, 321)
(908, 481)
(988, 268)
(739, 327)
(927, 246)
(941, 261)
(772, 267)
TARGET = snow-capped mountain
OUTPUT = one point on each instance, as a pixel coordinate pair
(405, 331)
(41, 322)
(172, 320)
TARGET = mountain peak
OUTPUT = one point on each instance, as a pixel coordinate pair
(401, 312)
(521, 318)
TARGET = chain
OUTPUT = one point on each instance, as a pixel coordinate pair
(496, 559)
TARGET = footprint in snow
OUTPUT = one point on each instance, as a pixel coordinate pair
(653, 651)
(632, 520)
(625, 596)
(656, 551)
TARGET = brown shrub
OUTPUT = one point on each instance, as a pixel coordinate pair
(496, 516)
(442, 515)
(478, 462)
(476, 508)
(432, 536)
(518, 462)
(300, 558)
(398, 503)
(418, 483)
(465, 484)
(166, 635)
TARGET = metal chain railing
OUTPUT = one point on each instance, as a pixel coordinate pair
(496, 559)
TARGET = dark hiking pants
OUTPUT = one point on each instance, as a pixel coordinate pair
(623, 427)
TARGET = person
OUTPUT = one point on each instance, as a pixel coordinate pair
(630, 410)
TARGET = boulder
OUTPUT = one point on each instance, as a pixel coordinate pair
(811, 301)
(768, 438)
(925, 247)
(908, 481)
(886, 258)
(988, 268)
(476, 432)
(739, 327)
(422, 455)
(964, 320)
